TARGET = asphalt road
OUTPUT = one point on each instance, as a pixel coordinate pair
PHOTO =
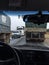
(15, 41)
(21, 41)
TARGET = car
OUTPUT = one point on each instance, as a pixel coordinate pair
(15, 36)
(17, 33)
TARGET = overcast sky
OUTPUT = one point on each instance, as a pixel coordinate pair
(15, 21)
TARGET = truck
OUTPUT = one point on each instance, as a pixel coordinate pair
(35, 32)
(21, 30)
(5, 31)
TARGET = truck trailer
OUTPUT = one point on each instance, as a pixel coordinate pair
(35, 32)
(5, 31)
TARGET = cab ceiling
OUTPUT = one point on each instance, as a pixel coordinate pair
(24, 5)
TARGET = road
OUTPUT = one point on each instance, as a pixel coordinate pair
(15, 41)
(21, 41)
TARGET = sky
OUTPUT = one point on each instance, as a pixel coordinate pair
(15, 21)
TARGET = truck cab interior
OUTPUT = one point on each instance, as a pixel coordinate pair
(25, 54)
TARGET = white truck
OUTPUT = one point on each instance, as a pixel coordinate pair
(21, 30)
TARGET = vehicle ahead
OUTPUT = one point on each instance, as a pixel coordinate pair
(15, 35)
(21, 30)
(17, 32)
(35, 32)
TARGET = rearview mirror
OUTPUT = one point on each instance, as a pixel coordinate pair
(37, 18)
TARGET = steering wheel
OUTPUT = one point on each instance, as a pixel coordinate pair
(8, 56)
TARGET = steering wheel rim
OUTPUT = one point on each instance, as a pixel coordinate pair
(8, 60)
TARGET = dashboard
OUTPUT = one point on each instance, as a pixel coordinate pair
(33, 56)
(23, 55)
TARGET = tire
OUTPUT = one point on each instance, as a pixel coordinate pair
(41, 40)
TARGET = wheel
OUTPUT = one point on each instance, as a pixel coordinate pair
(8, 56)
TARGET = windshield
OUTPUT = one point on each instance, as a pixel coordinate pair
(18, 32)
